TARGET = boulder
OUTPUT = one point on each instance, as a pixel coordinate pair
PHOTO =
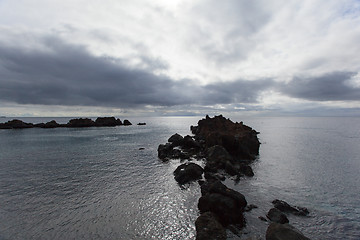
(167, 151)
(246, 170)
(277, 216)
(277, 231)
(228, 205)
(208, 227)
(127, 123)
(189, 142)
(80, 122)
(188, 172)
(107, 122)
(176, 139)
(285, 207)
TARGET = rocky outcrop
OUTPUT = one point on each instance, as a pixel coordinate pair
(209, 228)
(80, 122)
(285, 207)
(141, 124)
(107, 122)
(73, 123)
(277, 231)
(227, 204)
(127, 123)
(277, 216)
(188, 172)
(238, 139)
(16, 124)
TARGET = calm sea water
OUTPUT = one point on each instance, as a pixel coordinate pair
(96, 183)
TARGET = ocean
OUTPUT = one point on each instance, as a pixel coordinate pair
(107, 182)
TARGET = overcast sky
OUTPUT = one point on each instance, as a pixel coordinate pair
(179, 57)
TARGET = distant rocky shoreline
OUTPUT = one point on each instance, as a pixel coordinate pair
(228, 149)
(73, 123)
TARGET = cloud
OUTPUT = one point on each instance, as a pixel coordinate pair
(334, 86)
(60, 73)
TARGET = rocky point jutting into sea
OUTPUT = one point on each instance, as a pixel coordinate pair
(227, 149)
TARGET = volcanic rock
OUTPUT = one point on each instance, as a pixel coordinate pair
(107, 122)
(277, 231)
(15, 124)
(208, 227)
(80, 122)
(285, 207)
(277, 216)
(127, 123)
(188, 172)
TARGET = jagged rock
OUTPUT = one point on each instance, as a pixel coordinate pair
(127, 123)
(209, 228)
(15, 124)
(81, 122)
(285, 207)
(277, 231)
(188, 172)
(277, 216)
(228, 205)
(238, 139)
(107, 122)
(189, 142)
(176, 139)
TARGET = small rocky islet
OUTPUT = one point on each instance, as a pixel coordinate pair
(73, 123)
(225, 149)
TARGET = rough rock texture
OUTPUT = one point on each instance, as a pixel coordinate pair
(277, 231)
(285, 207)
(176, 140)
(51, 124)
(277, 216)
(188, 172)
(238, 139)
(107, 122)
(208, 227)
(167, 152)
(80, 122)
(228, 205)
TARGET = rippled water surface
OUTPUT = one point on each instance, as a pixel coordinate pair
(96, 183)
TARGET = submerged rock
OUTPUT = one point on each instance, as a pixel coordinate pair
(285, 207)
(208, 227)
(188, 172)
(277, 231)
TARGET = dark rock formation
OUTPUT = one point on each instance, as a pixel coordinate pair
(250, 207)
(228, 205)
(238, 139)
(208, 227)
(167, 152)
(80, 122)
(141, 124)
(285, 207)
(51, 124)
(277, 231)
(277, 216)
(127, 123)
(15, 124)
(107, 122)
(176, 140)
(188, 172)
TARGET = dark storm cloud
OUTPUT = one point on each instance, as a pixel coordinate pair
(64, 74)
(333, 86)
